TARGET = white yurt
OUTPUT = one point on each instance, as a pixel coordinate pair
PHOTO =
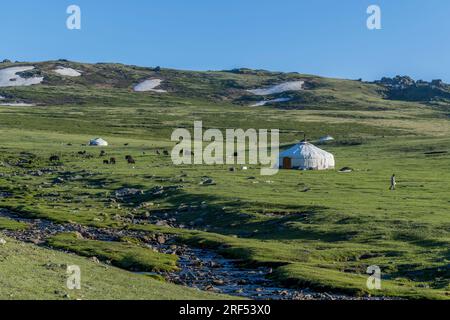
(98, 142)
(326, 139)
(306, 156)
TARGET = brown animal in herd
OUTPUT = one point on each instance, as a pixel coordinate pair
(105, 161)
(112, 161)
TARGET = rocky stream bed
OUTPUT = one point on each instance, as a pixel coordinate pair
(198, 268)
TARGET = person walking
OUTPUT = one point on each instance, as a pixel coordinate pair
(393, 182)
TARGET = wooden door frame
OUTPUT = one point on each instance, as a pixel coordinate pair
(287, 160)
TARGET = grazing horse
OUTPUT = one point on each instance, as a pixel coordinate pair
(131, 160)
(105, 162)
(102, 153)
(112, 161)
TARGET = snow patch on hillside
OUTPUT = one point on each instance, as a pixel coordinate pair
(149, 85)
(263, 103)
(16, 104)
(279, 88)
(68, 72)
(9, 77)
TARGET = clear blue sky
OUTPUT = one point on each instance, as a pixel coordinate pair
(324, 37)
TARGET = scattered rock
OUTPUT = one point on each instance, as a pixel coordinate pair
(145, 205)
(161, 239)
(162, 191)
(161, 223)
(210, 288)
(95, 259)
(207, 182)
(218, 282)
(5, 195)
(128, 193)
(79, 236)
(58, 180)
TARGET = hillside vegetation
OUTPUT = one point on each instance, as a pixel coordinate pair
(316, 229)
(31, 272)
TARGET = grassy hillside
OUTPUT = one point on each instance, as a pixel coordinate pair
(30, 272)
(321, 229)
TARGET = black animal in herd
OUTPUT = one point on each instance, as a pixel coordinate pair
(54, 158)
(130, 159)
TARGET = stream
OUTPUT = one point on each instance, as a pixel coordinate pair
(199, 268)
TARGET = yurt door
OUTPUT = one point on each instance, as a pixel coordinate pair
(287, 163)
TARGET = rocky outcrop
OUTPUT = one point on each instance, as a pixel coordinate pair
(405, 88)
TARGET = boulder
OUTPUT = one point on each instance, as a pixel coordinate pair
(128, 192)
(207, 181)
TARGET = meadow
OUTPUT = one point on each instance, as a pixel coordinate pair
(315, 229)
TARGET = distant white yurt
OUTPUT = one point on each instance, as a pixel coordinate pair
(98, 142)
(306, 156)
(326, 139)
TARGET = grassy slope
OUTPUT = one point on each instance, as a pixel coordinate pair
(30, 272)
(8, 224)
(122, 255)
(326, 236)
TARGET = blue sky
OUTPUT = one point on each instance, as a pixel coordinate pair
(323, 37)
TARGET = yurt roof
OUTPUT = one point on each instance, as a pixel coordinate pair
(98, 141)
(304, 150)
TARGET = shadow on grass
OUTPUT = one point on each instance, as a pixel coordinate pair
(438, 276)
(213, 214)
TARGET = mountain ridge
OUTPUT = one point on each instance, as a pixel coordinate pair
(235, 86)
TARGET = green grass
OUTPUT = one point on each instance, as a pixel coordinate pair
(12, 225)
(31, 272)
(122, 255)
(325, 237)
(322, 278)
